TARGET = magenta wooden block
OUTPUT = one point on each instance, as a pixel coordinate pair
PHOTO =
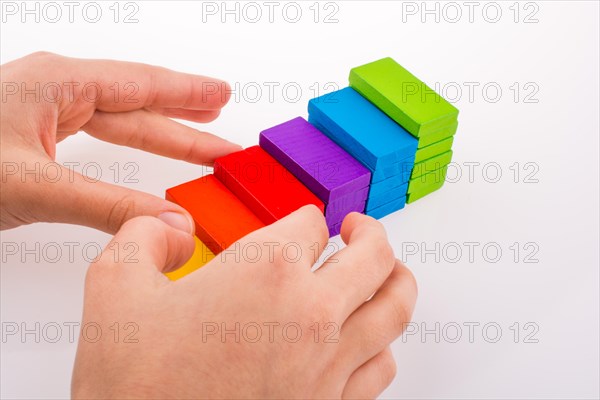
(320, 164)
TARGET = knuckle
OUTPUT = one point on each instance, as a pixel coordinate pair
(387, 368)
(42, 55)
(400, 316)
(120, 212)
(384, 254)
(316, 220)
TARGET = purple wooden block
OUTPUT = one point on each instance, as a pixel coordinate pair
(324, 167)
(332, 218)
(335, 229)
(348, 201)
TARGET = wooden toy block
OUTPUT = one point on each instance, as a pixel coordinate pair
(387, 208)
(403, 167)
(402, 96)
(350, 200)
(428, 179)
(360, 128)
(335, 230)
(337, 217)
(412, 197)
(320, 164)
(263, 184)
(381, 199)
(201, 256)
(434, 149)
(390, 184)
(440, 134)
(221, 218)
(431, 164)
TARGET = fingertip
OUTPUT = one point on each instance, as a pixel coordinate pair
(179, 220)
(353, 221)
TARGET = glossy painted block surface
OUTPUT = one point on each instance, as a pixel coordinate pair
(220, 217)
(263, 184)
(402, 96)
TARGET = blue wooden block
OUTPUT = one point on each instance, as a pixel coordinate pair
(403, 167)
(361, 128)
(395, 184)
(387, 208)
(384, 198)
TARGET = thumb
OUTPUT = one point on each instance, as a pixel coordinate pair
(147, 243)
(68, 197)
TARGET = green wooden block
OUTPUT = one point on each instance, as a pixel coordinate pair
(412, 197)
(431, 164)
(433, 149)
(423, 181)
(440, 134)
(402, 96)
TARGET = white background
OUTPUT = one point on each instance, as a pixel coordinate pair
(552, 208)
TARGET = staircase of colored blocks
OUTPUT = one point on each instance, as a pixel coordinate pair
(372, 147)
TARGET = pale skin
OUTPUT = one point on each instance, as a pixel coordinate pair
(343, 349)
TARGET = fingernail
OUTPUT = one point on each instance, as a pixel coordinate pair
(178, 221)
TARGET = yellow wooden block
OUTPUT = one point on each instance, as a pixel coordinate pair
(201, 256)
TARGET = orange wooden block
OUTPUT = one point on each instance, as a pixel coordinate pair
(263, 184)
(221, 218)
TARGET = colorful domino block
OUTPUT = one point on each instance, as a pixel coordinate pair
(201, 256)
(427, 180)
(361, 129)
(412, 197)
(263, 184)
(221, 218)
(320, 164)
(403, 97)
(434, 149)
(387, 208)
(431, 164)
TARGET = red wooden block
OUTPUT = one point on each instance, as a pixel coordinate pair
(221, 218)
(263, 184)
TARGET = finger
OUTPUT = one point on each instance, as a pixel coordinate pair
(296, 240)
(371, 378)
(149, 131)
(124, 86)
(146, 244)
(62, 195)
(378, 322)
(189, 115)
(359, 269)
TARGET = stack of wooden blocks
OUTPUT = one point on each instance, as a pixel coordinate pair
(371, 148)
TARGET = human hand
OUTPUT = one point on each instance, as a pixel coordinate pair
(124, 103)
(336, 344)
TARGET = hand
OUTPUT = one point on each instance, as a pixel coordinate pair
(67, 95)
(335, 344)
